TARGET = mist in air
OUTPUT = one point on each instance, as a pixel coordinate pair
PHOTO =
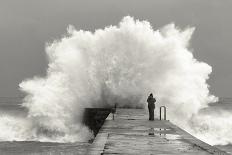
(118, 64)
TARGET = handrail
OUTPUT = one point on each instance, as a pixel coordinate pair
(162, 107)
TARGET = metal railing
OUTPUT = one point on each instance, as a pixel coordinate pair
(163, 107)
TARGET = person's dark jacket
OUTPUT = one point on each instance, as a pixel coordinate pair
(151, 102)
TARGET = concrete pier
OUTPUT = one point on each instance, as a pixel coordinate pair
(131, 133)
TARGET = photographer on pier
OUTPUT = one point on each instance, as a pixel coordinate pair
(151, 106)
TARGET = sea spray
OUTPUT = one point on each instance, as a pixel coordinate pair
(118, 64)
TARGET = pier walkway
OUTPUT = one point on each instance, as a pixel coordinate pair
(131, 133)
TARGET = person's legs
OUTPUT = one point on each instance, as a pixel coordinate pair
(152, 114)
(149, 109)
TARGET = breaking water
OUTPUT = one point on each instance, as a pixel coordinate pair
(11, 106)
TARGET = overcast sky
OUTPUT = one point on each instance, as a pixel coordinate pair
(26, 25)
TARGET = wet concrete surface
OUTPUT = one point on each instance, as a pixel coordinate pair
(131, 133)
(227, 148)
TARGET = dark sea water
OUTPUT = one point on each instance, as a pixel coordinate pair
(12, 106)
(42, 148)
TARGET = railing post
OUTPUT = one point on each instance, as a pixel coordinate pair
(162, 107)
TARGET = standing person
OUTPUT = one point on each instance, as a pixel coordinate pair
(151, 106)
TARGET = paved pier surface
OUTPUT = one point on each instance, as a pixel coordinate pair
(131, 133)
